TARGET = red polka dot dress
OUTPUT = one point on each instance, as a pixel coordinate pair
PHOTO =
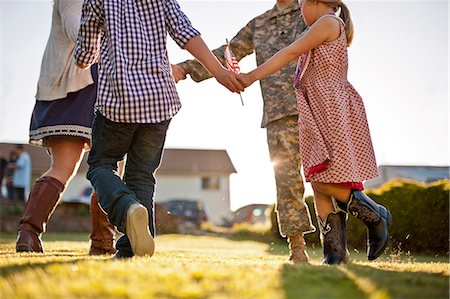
(335, 139)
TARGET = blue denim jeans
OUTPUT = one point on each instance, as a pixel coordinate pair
(143, 144)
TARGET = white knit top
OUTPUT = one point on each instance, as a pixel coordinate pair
(59, 74)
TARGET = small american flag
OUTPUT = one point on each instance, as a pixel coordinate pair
(232, 63)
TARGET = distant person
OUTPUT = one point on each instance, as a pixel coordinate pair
(335, 142)
(9, 174)
(265, 35)
(136, 101)
(3, 164)
(61, 122)
(22, 173)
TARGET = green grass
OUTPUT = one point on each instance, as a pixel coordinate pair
(211, 267)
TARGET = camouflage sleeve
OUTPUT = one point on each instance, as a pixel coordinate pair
(241, 45)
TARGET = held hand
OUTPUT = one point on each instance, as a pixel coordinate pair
(82, 66)
(178, 73)
(229, 80)
(245, 79)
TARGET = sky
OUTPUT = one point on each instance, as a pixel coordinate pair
(399, 63)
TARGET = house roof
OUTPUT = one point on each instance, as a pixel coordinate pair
(175, 161)
(188, 161)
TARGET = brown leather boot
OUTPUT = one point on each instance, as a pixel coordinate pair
(43, 199)
(103, 232)
(297, 249)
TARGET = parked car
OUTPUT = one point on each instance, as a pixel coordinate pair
(254, 213)
(174, 216)
(189, 214)
(165, 222)
(84, 196)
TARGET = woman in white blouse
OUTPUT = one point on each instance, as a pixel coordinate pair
(61, 122)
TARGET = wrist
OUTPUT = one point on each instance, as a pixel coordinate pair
(253, 76)
(183, 66)
(216, 70)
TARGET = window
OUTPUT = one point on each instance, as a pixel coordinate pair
(211, 183)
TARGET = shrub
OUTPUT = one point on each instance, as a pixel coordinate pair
(13, 210)
(420, 217)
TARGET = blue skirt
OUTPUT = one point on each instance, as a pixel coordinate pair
(71, 116)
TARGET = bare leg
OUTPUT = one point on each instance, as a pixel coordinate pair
(323, 204)
(66, 157)
(334, 190)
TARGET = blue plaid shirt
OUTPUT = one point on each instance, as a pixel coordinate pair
(135, 80)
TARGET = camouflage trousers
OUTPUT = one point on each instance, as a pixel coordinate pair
(292, 212)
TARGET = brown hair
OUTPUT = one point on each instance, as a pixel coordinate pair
(345, 16)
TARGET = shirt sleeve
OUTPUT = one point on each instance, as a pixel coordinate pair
(70, 12)
(91, 29)
(21, 162)
(241, 45)
(178, 24)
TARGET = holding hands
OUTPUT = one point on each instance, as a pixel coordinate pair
(246, 79)
(225, 77)
(230, 80)
(178, 72)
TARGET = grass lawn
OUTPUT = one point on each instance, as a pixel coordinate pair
(211, 267)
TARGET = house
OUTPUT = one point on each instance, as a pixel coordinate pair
(424, 174)
(192, 174)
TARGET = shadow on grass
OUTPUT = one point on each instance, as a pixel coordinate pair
(404, 284)
(11, 269)
(317, 281)
(354, 281)
(49, 236)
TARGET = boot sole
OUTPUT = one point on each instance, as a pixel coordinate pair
(387, 217)
(138, 233)
(24, 248)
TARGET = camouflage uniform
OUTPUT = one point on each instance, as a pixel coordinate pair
(266, 35)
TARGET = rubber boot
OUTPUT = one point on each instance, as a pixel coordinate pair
(103, 232)
(43, 199)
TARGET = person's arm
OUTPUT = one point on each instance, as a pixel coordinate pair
(180, 29)
(197, 47)
(241, 45)
(322, 31)
(91, 28)
(70, 12)
(20, 162)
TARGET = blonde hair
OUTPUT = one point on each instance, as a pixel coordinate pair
(344, 15)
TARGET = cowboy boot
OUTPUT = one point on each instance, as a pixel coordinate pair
(340, 210)
(103, 232)
(332, 239)
(377, 219)
(297, 249)
(343, 219)
(43, 199)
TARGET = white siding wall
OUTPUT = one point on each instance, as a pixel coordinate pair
(216, 202)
